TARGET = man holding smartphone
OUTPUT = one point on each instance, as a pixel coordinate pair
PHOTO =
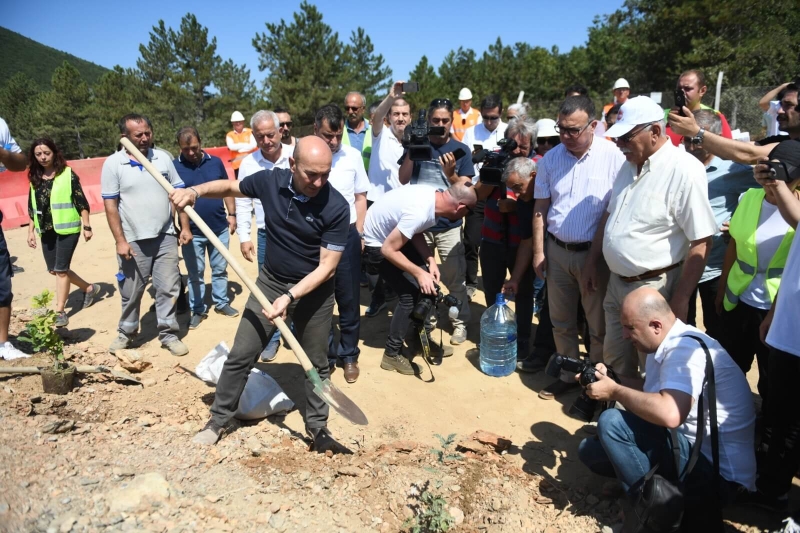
(445, 169)
(689, 93)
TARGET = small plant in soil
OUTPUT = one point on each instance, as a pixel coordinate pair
(430, 512)
(444, 454)
(40, 332)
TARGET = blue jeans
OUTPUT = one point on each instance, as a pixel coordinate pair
(261, 254)
(347, 292)
(194, 255)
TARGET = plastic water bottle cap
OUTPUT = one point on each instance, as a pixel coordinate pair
(500, 299)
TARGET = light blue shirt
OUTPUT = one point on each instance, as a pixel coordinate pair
(727, 180)
(357, 138)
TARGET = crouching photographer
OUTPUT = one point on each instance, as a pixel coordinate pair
(672, 472)
(396, 247)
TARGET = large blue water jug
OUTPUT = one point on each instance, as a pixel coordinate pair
(498, 354)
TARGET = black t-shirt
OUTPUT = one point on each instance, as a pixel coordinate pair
(296, 230)
(431, 173)
(775, 139)
(525, 217)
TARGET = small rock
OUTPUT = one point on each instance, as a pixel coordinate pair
(147, 421)
(58, 426)
(457, 514)
(350, 471)
(65, 501)
(152, 487)
(58, 402)
(455, 488)
(149, 382)
(122, 472)
(254, 446)
(66, 525)
(274, 507)
(85, 482)
(36, 399)
(277, 521)
(4, 508)
(212, 499)
(24, 484)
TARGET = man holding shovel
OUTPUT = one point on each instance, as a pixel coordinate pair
(307, 224)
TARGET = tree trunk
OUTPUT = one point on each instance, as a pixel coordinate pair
(80, 144)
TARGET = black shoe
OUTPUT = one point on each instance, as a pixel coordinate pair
(324, 441)
(531, 364)
(759, 499)
(374, 308)
(209, 435)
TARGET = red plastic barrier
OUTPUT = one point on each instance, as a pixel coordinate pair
(14, 187)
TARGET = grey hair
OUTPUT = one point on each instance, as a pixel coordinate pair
(663, 125)
(363, 98)
(525, 127)
(708, 120)
(262, 116)
(521, 109)
(521, 166)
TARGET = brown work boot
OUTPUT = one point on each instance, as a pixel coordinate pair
(351, 372)
(398, 363)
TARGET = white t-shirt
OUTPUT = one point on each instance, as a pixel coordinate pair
(769, 234)
(384, 170)
(680, 364)
(251, 164)
(348, 176)
(6, 140)
(478, 134)
(411, 209)
(784, 334)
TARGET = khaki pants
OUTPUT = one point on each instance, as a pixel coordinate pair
(618, 352)
(564, 293)
(453, 269)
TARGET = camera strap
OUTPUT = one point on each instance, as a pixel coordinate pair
(426, 350)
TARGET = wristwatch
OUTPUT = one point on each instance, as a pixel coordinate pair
(231, 214)
(698, 139)
(87, 228)
(290, 295)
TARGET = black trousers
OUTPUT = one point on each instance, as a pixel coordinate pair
(311, 316)
(473, 223)
(708, 296)
(544, 345)
(347, 292)
(496, 261)
(740, 338)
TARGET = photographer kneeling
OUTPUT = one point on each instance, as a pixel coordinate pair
(629, 443)
(395, 245)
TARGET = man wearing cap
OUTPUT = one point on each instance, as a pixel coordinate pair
(658, 227)
(572, 191)
(693, 84)
(465, 117)
(547, 137)
(240, 142)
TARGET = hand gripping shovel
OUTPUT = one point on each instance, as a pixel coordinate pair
(324, 389)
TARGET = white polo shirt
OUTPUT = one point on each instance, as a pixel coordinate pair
(251, 164)
(411, 209)
(478, 134)
(784, 334)
(654, 215)
(348, 176)
(384, 169)
(680, 364)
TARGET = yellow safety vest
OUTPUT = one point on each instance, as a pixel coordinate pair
(743, 230)
(66, 219)
(366, 150)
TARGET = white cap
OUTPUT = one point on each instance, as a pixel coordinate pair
(621, 83)
(636, 111)
(546, 127)
(237, 117)
(465, 94)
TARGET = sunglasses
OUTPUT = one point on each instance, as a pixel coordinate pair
(351, 108)
(628, 137)
(441, 102)
(490, 119)
(286, 124)
(552, 141)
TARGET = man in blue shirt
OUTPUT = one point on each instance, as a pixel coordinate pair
(727, 181)
(357, 126)
(195, 167)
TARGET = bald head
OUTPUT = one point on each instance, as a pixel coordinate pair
(455, 202)
(646, 318)
(312, 148)
(310, 165)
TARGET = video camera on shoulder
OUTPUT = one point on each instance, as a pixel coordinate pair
(494, 163)
(584, 407)
(415, 138)
(427, 301)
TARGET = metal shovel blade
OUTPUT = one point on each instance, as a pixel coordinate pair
(337, 399)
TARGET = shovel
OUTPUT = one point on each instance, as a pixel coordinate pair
(324, 389)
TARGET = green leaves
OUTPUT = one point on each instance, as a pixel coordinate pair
(40, 332)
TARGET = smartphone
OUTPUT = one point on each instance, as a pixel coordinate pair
(778, 171)
(680, 100)
(411, 87)
(458, 153)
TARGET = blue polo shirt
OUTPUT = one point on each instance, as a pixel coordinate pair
(297, 226)
(211, 210)
(357, 138)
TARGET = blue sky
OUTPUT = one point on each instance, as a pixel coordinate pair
(110, 33)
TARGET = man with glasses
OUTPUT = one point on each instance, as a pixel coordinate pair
(465, 116)
(657, 229)
(270, 155)
(484, 135)
(285, 126)
(441, 172)
(358, 128)
(572, 192)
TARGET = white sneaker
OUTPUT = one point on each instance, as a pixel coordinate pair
(789, 526)
(8, 352)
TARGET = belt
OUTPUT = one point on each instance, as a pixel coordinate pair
(650, 274)
(570, 246)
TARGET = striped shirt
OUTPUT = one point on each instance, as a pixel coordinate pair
(579, 189)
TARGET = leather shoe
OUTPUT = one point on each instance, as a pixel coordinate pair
(556, 389)
(351, 372)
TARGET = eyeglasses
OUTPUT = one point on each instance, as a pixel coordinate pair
(286, 124)
(572, 132)
(441, 102)
(628, 137)
(352, 108)
(552, 141)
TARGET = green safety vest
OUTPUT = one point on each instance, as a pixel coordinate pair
(66, 219)
(366, 150)
(743, 229)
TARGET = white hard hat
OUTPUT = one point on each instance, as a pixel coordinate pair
(621, 83)
(465, 94)
(237, 117)
(546, 127)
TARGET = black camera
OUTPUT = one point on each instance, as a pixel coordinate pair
(415, 138)
(494, 163)
(427, 301)
(584, 407)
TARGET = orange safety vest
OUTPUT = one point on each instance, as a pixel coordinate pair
(461, 123)
(236, 157)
